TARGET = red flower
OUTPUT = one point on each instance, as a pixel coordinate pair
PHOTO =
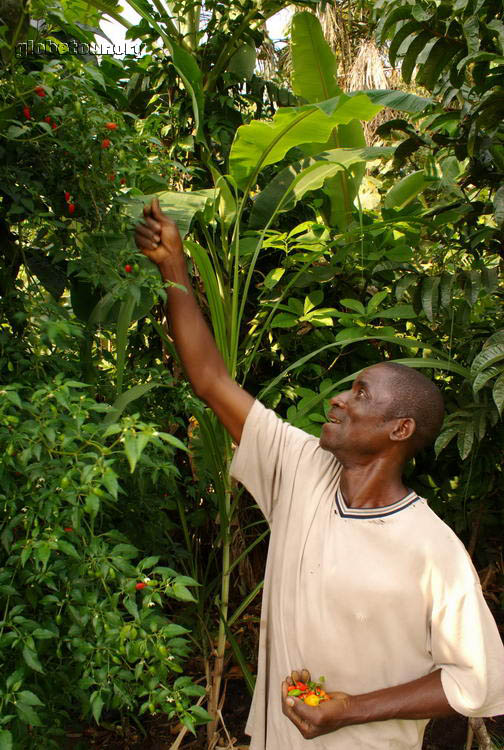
(68, 528)
(139, 586)
(71, 208)
(54, 125)
(40, 90)
(129, 269)
(27, 113)
(111, 125)
(67, 196)
(106, 143)
(47, 119)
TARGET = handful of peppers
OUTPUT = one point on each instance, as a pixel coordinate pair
(311, 693)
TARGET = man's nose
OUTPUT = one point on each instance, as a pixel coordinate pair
(339, 400)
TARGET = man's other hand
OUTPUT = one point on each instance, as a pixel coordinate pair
(158, 236)
(314, 721)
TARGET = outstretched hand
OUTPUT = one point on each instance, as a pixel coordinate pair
(314, 721)
(158, 236)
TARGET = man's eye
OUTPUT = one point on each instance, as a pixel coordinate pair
(361, 392)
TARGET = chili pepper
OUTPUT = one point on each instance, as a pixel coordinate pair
(71, 208)
(40, 91)
(111, 125)
(27, 113)
(128, 268)
(47, 119)
(301, 686)
(105, 143)
(294, 691)
(54, 125)
(140, 586)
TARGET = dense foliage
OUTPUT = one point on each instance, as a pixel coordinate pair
(125, 549)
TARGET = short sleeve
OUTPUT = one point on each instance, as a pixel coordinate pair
(268, 453)
(466, 645)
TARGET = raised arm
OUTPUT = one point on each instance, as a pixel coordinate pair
(159, 239)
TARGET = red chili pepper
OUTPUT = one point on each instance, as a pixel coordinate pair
(106, 143)
(71, 208)
(111, 125)
(139, 586)
(68, 528)
(47, 119)
(40, 91)
(67, 196)
(54, 125)
(27, 113)
(301, 686)
(128, 268)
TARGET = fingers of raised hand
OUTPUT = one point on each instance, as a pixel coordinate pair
(146, 237)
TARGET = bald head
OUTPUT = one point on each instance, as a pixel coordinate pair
(414, 395)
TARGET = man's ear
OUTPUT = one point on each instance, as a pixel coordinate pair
(403, 428)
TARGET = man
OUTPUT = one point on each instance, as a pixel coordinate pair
(364, 583)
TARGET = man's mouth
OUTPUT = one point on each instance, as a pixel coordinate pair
(334, 419)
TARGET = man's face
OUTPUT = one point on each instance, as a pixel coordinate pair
(356, 418)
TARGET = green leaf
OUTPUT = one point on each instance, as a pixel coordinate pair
(487, 357)
(5, 740)
(429, 295)
(398, 100)
(133, 447)
(125, 399)
(465, 439)
(68, 549)
(484, 376)
(498, 393)
(499, 206)
(294, 181)
(283, 320)
(403, 312)
(438, 58)
(314, 64)
(387, 21)
(406, 30)
(31, 658)
(92, 504)
(405, 191)
(261, 143)
(26, 696)
(44, 635)
(27, 714)
(443, 439)
(376, 300)
(96, 706)
(243, 62)
(181, 592)
(123, 324)
(353, 304)
(414, 49)
(471, 30)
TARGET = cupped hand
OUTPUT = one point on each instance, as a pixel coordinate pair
(158, 236)
(314, 721)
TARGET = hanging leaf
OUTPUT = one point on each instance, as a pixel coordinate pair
(487, 357)
(405, 191)
(484, 376)
(498, 393)
(261, 143)
(443, 439)
(243, 62)
(499, 206)
(465, 439)
(414, 49)
(314, 64)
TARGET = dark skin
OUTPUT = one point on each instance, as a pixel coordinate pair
(371, 449)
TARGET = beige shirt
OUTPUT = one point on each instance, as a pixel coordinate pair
(368, 598)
